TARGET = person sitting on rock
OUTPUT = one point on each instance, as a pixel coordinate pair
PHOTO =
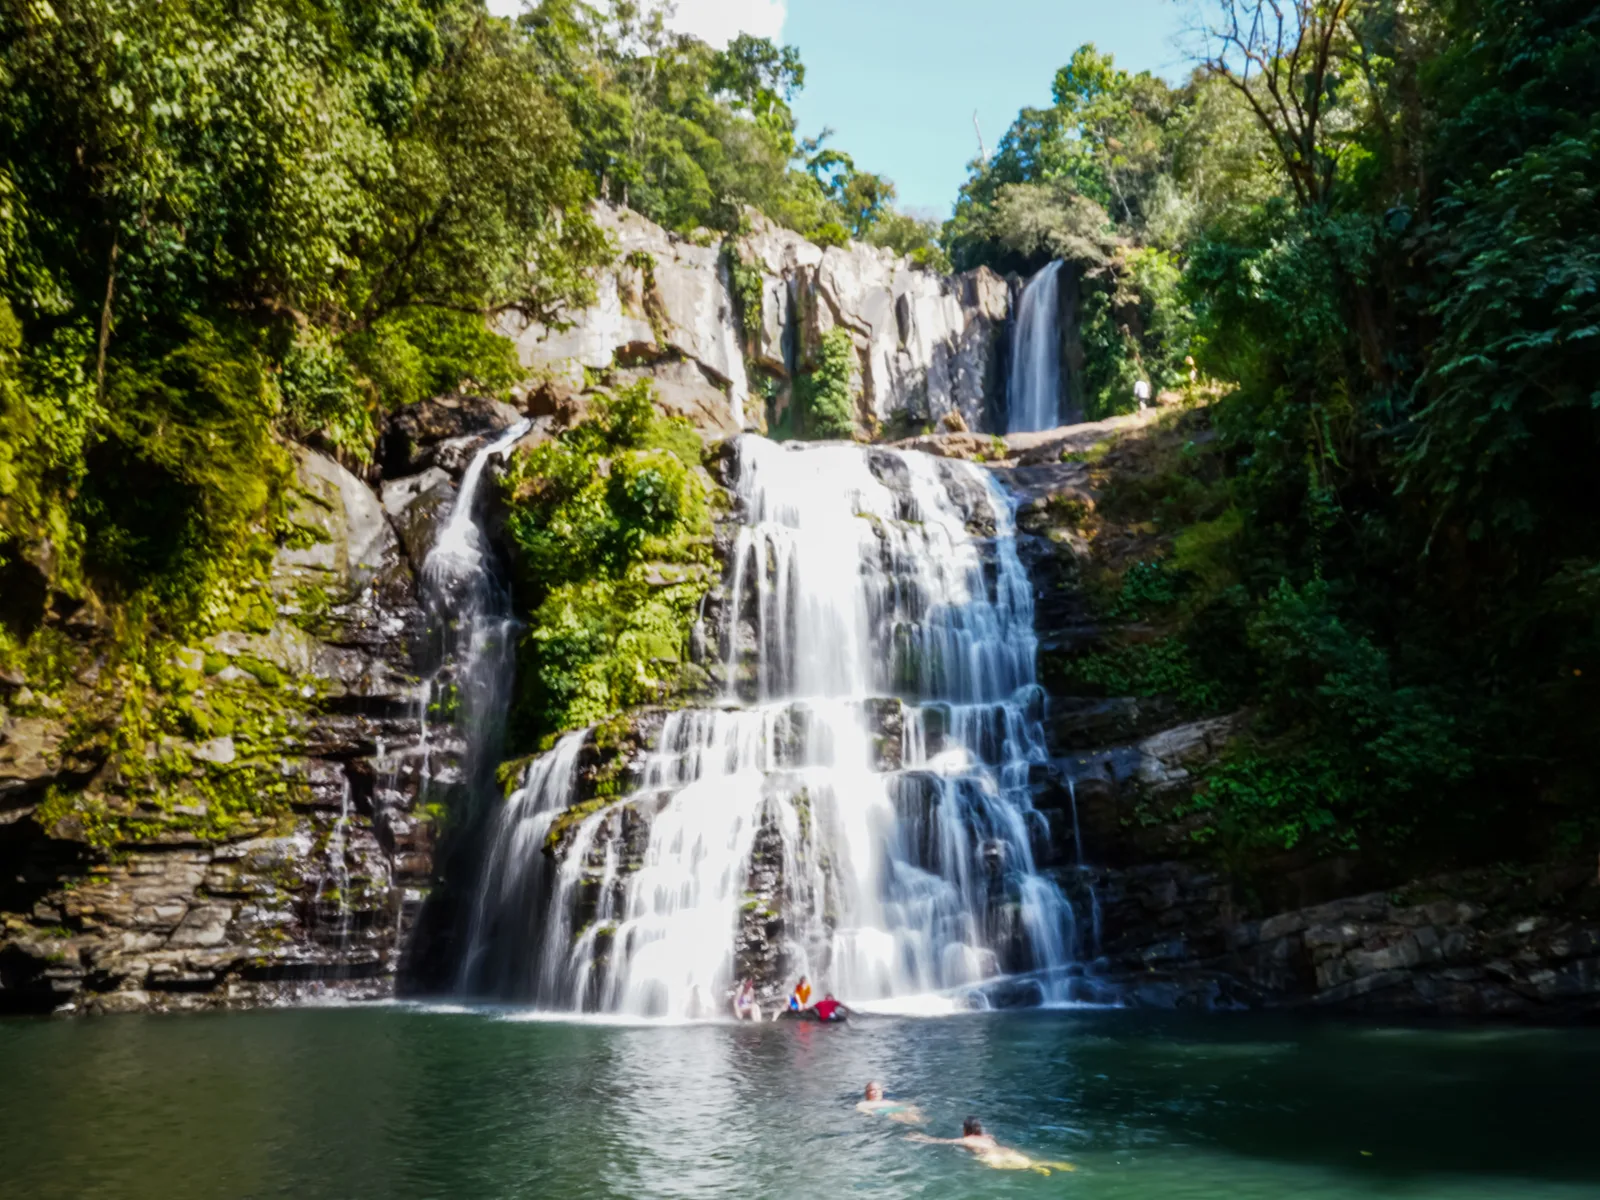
(800, 998)
(874, 1105)
(829, 1009)
(990, 1152)
(745, 1007)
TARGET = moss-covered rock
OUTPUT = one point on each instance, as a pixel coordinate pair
(224, 819)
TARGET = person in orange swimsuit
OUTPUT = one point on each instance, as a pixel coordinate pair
(800, 998)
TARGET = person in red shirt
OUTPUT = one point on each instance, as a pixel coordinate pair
(829, 1009)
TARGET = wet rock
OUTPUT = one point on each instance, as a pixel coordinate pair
(30, 756)
(886, 723)
(419, 505)
(759, 943)
(412, 437)
(1372, 953)
(344, 541)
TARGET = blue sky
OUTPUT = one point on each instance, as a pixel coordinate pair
(898, 80)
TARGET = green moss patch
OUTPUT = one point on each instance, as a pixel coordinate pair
(610, 526)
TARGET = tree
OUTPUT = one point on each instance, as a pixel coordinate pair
(1282, 57)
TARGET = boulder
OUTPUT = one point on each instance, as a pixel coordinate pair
(419, 505)
(345, 542)
(30, 756)
(412, 436)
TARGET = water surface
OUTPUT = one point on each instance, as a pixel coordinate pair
(335, 1104)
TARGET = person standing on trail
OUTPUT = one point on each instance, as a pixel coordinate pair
(1141, 393)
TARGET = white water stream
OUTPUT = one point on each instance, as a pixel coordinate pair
(469, 617)
(861, 801)
(1033, 391)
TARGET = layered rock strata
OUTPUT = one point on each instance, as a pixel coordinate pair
(256, 831)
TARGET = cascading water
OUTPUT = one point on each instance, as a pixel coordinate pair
(513, 880)
(864, 793)
(1033, 391)
(337, 873)
(463, 697)
(470, 623)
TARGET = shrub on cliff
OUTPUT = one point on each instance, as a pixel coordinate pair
(824, 398)
(610, 525)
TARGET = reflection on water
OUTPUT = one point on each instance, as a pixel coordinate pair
(338, 1104)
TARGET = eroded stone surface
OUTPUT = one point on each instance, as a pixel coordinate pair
(201, 908)
(1472, 944)
(925, 345)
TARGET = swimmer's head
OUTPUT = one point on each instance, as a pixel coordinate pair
(972, 1127)
(874, 1091)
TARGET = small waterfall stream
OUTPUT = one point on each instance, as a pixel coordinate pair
(469, 618)
(858, 809)
(1033, 391)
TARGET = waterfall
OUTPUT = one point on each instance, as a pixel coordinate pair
(470, 659)
(1033, 391)
(470, 623)
(1085, 872)
(512, 881)
(858, 809)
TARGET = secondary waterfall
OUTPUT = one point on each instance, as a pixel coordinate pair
(1033, 390)
(464, 695)
(857, 809)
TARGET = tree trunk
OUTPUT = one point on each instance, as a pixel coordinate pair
(105, 324)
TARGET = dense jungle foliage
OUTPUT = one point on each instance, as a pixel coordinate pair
(612, 525)
(1386, 218)
(229, 224)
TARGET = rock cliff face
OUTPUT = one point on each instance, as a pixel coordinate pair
(1177, 929)
(726, 328)
(256, 823)
(252, 831)
(1172, 927)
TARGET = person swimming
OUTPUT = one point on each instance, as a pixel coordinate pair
(989, 1152)
(800, 998)
(874, 1105)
